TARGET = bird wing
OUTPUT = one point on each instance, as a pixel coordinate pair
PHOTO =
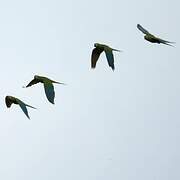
(164, 41)
(95, 55)
(110, 57)
(34, 81)
(23, 107)
(49, 90)
(142, 29)
(8, 101)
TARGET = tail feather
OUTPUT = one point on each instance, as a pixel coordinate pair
(117, 50)
(168, 44)
(59, 82)
(30, 106)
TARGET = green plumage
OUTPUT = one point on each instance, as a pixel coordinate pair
(99, 48)
(9, 100)
(48, 86)
(151, 38)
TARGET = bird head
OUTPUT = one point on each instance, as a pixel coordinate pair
(36, 77)
(10, 97)
(96, 44)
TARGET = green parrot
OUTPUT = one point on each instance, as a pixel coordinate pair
(9, 100)
(99, 48)
(48, 86)
(151, 38)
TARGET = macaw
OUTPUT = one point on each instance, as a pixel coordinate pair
(9, 100)
(48, 86)
(99, 48)
(151, 38)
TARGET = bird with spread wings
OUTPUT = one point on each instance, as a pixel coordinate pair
(151, 38)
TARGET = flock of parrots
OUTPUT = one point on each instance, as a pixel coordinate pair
(99, 48)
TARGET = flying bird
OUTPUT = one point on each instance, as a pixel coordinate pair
(48, 86)
(9, 100)
(151, 38)
(99, 48)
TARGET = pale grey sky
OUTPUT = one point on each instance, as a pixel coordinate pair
(121, 125)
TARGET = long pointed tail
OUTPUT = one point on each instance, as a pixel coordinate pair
(59, 83)
(30, 106)
(167, 44)
(117, 50)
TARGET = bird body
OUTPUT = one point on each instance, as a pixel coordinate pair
(99, 48)
(9, 100)
(48, 86)
(151, 38)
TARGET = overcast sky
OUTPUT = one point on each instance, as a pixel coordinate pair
(105, 125)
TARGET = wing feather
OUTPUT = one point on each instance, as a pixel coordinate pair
(142, 29)
(34, 81)
(95, 55)
(110, 57)
(23, 107)
(49, 91)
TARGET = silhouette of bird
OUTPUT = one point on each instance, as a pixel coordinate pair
(99, 48)
(9, 100)
(151, 38)
(48, 86)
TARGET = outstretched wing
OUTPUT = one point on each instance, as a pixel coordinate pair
(23, 107)
(49, 90)
(110, 57)
(34, 81)
(95, 55)
(142, 29)
(8, 101)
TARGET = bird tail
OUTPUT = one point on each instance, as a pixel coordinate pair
(117, 50)
(168, 44)
(58, 82)
(30, 106)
